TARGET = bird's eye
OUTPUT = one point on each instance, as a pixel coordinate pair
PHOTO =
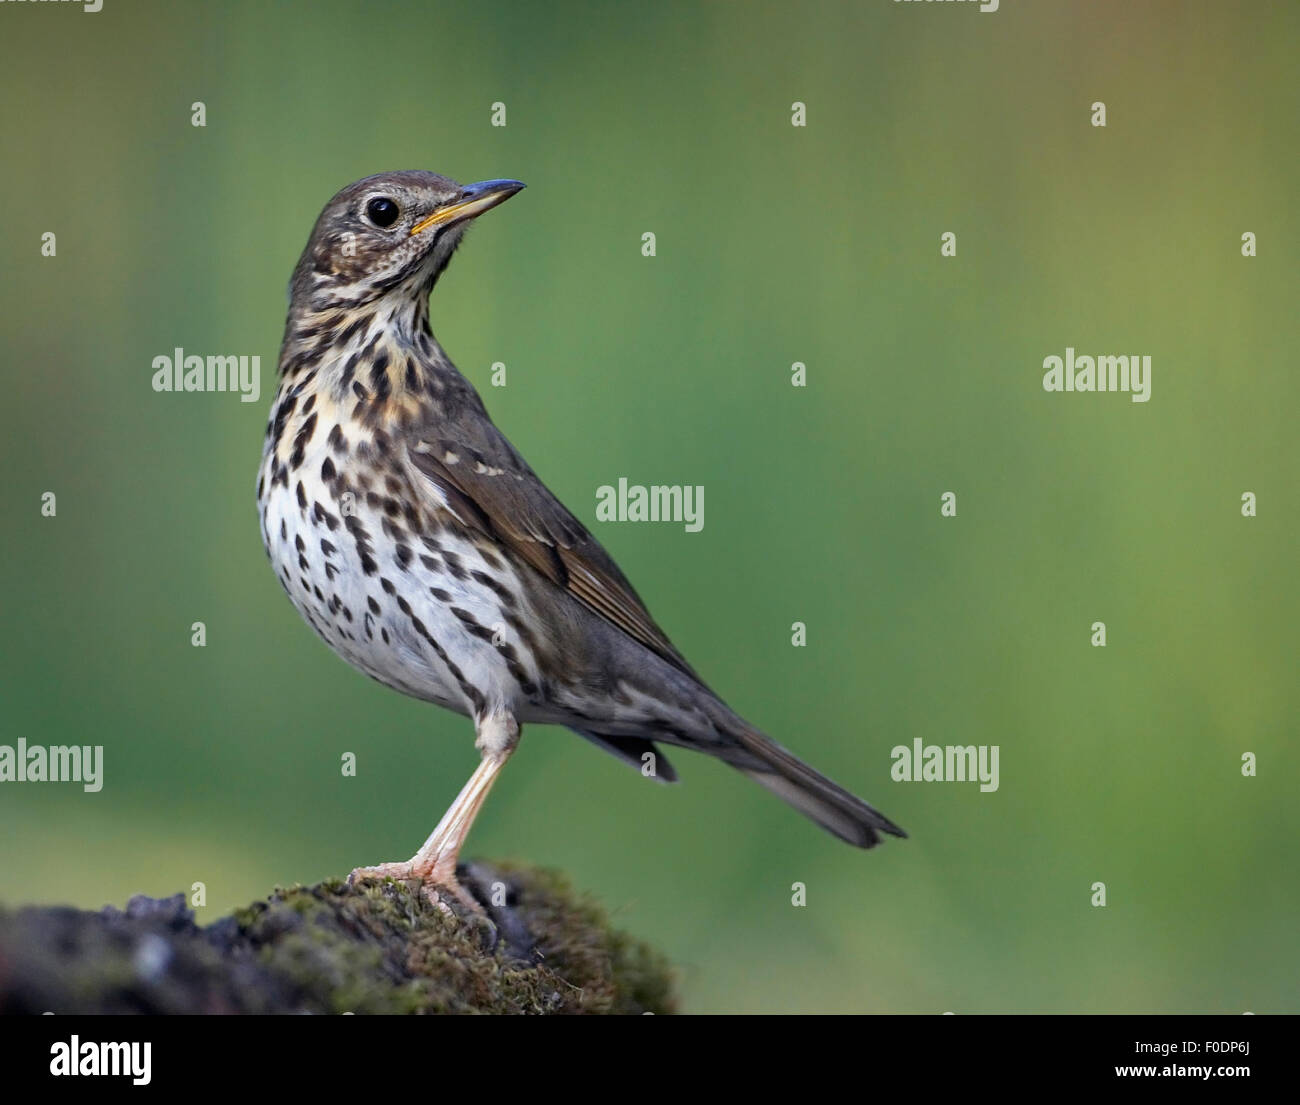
(382, 211)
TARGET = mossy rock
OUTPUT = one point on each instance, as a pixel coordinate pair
(332, 948)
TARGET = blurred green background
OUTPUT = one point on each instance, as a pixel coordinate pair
(775, 244)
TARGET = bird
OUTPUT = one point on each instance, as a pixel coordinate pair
(421, 547)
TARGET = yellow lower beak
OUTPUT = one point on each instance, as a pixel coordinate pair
(475, 199)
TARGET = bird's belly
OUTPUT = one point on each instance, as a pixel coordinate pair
(412, 610)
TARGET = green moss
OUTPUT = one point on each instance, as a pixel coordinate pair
(611, 972)
(381, 948)
(331, 948)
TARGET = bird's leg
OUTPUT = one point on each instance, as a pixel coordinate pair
(434, 865)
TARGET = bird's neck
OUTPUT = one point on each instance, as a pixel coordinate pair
(378, 359)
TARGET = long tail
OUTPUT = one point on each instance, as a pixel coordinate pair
(811, 793)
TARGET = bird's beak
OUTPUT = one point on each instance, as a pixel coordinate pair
(474, 200)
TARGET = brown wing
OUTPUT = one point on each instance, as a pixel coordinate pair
(488, 485)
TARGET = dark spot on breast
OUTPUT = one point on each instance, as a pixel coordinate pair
(282, 414)
(302, 439)
(320, 514)
(525, 634)
(349, 370)
(496, 588)
(453, 564)
(464, 615)
(357, 325)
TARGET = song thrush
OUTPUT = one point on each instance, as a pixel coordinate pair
(417, 542)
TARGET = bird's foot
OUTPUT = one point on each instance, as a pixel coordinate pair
(437, 884)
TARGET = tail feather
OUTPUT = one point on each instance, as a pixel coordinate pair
(811, 793)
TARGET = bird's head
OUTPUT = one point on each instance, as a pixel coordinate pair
(390, 233)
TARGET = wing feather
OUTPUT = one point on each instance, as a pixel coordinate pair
(483, 480)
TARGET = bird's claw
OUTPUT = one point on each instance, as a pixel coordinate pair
(441, 891)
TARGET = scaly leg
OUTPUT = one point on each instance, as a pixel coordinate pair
(434, 865)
